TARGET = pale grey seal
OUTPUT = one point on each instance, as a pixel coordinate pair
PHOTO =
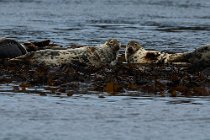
(87, 55)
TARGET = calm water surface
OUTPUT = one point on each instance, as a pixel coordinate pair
(87, 117)
(175, 25)
(161, 24)
(25, 116)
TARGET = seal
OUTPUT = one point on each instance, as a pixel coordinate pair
(135, 53)
(200, 57)
(82, 56)
(10, 48)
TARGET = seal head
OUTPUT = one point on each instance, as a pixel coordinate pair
(114, 44)
(131, 48)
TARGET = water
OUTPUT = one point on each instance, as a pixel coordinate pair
(175, 25)
(34, 117)
(92, 22)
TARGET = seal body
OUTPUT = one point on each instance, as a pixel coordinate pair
(88, 56)
(201, 54)
(135, 53)
(200, 58)
(10, 48)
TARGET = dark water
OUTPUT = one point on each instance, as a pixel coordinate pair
(161, 24)
(178, 25)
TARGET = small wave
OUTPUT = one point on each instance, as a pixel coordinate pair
(108, 21)
(183, 28)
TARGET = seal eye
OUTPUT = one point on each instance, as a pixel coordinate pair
(136, 44)
(111, 42)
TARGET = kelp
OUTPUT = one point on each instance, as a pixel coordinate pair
(120, 79)
(177, 79)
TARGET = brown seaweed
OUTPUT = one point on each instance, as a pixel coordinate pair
(174, 80)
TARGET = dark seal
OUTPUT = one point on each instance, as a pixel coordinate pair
(10, 48)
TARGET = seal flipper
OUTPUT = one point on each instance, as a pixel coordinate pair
(24, 59)
(179, 57)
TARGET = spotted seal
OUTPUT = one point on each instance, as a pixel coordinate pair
(135, 53)
(87, 55)
(200, 57)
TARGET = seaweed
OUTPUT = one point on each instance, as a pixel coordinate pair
(175, 79)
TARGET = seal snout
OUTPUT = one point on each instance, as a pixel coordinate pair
(130, 50)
